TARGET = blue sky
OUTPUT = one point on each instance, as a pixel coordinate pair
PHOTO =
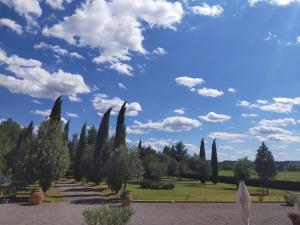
(188, 69)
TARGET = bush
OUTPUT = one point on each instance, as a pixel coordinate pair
(290, 198)
(150, 184)
(261, 193)
(112, 215)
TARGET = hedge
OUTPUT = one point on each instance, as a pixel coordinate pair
(276, 184)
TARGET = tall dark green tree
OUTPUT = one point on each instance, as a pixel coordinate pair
(55, 115)
(265, 165)
(66, 131)
(202, 149)
(72, 146)
(78, 174)
(101, 152)
(140, 145)
(120, 135)
(214, 163)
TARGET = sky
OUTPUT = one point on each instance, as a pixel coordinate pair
(188, 69)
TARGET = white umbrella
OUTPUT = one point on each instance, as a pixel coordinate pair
(244, 202)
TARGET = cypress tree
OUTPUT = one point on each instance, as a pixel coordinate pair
(120, 138)
(79, 153)
(202, 149)
(101, 152)
(140, 145)
(66, 131)
(55, 115)
(214, 163)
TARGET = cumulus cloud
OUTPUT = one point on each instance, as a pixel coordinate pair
(279, 122)
(208, 92)
(58, 50)
(247, 115)
(189, 82)
(31, 79)
(207, 10)
(11, 24)
(44, 113)
(102, 102)
(36, 101)
(232, 137)
(273, 2)
(116, 32)
(57, 4)
(232, 90)
(179, 111)
(214, 117)
(169, 124)
(159, 51)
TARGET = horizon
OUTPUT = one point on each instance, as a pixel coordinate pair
(188, 69)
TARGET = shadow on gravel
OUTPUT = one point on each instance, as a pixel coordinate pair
(94, 201)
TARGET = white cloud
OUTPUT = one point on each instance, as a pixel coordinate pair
(233, 137)
(130, 130)
(278, 122)
(159, 51)
(44, 113)
(247, 115)
(189, 82)
(267, 130)
(36, 101)
(232, 90)
(116, 32)
(11, 24)
(169, 124)
(270, 36)
(74, 98)
(215, 117)
(274, 2)
(57, 4)
(31, 79)
(102, 102)
(122, 86)
(208, 92)
(74, 115)
(207, 10)
(58, 50)
(179, 111)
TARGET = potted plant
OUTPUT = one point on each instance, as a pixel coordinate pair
(36, 197)
(126, 197)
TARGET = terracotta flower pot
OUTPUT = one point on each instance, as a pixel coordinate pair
(37, 196)
(126, 198)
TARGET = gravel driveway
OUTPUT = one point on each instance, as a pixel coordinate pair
(70, 211)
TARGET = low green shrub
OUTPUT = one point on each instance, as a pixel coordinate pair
(150, 184)
(261, 193)
(113, 215)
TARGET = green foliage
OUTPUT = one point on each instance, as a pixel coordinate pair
(52, 154)
(102, 149)
(261, 193)
(55, 115)
(81, 148)
(202, 150)
(154, 168)
(172, 167)
(242, 169)
(66, 131)
(203, 169)
(290, 198)
(265, 165)
(112, 215)
(72, 147)
(120, 135)
(85, 164)
(157, 185)
(214, 163)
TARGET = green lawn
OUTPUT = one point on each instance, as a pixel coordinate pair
(282, 175)
(194, 191)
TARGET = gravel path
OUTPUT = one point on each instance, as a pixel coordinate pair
(77, 199)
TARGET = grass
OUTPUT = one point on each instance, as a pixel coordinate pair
(282, 175)
(189, 190)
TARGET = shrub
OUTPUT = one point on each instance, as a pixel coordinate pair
(290, 198)
(150, 184)
(261, 193)
(112, 215)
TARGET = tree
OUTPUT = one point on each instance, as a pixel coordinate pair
(203, 169)
(52, 154)
(265, 165)
(66, 131)
(242, 170)
(79, 153)
(154, 169)
(101, 157)
(202, 150)
(120, 135)
(55, 115)
(140, 145)
(172, 167)
(214, 163)
(134, 166)
(25, 158)
(179, 152)
(72, 146)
